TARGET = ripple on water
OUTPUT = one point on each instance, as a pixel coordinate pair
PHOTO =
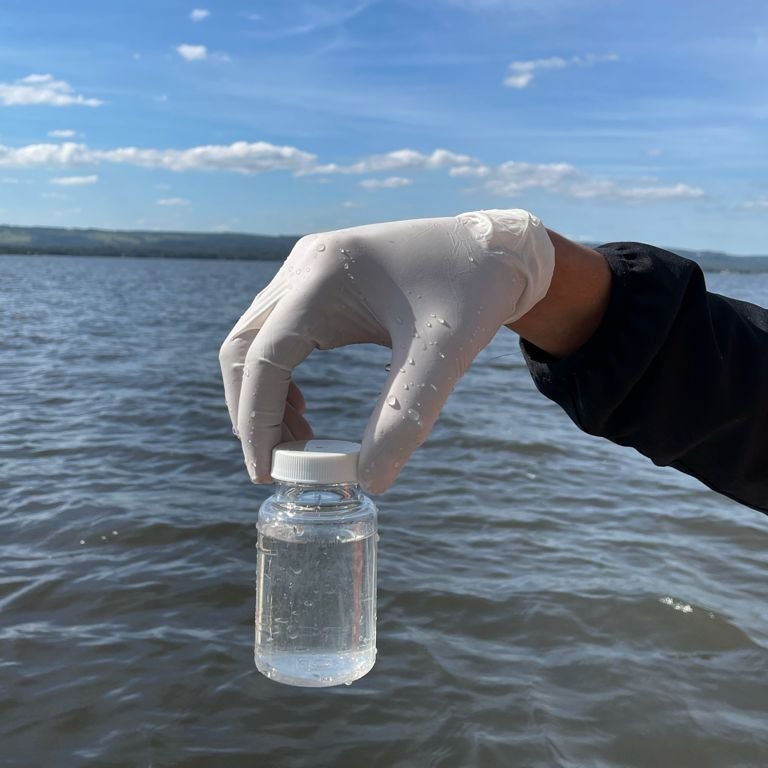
(545, 598)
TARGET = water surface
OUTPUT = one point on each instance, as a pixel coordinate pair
(546, 598)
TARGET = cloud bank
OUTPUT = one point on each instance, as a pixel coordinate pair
(511, 179)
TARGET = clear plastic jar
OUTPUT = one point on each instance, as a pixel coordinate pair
(316, 568)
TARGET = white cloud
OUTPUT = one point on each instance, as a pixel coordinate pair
(399, 159)
(653, 152)
(74, 181)
(673, 192)
(512, 179)
(253, 16)
(62, 134)
(66, 155)
(350, 204)
(42, 89)
(54, 196)
(9, 180)
(391, 182)
(192, 52)
(199, 14)
(173, 201)
(239, 157)
(521, 73)
(200, 53)
(758, 203)
(470, 170)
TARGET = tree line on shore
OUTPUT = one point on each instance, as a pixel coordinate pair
(55, 241)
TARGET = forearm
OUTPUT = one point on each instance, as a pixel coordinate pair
(672, 370)
(575, 303)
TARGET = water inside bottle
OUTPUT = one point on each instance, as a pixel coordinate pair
(315, 607)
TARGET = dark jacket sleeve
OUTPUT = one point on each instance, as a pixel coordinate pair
(674, 371)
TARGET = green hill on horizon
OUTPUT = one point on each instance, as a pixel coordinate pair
(56, 241)
(60, 241)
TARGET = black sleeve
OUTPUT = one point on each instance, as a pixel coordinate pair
(674, 371)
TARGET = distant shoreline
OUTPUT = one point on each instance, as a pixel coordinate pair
(59, 241)
(56, 241)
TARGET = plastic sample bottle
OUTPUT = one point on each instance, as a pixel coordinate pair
(316, 568)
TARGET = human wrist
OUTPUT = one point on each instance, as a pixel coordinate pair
(565, 319)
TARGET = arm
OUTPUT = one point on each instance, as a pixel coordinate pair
(576, 301)
(672, 370)
(625, 338)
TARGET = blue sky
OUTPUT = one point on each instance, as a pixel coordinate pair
(610, 119)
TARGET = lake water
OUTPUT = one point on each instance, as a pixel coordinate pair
(545, 598)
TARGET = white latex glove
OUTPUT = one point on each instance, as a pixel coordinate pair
(434, 290)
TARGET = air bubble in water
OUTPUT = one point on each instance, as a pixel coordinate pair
(441, 321)
(411, 361)
(442, 355)
(253, 413)
(346, 265)
(429, 325)
(392, 400)
(320, 247)
(388, 367)
(432, 314)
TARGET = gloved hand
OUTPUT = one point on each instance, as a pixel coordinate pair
(434, 290)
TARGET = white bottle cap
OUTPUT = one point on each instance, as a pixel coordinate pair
(315, 461)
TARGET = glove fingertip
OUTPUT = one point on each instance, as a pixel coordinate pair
(376, 472)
